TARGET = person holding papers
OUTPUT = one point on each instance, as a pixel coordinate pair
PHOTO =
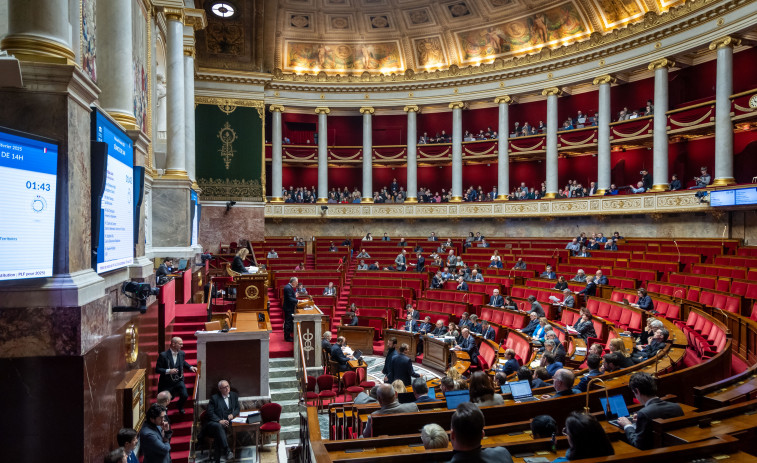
(237, 265)
(584, 326)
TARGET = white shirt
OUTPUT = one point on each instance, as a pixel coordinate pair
(175, 357)
(226, 401)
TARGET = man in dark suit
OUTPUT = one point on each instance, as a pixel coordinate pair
(326, 341)
(466, 432)
(496, 300)
(290, 303)
(440, 329)
(592, 362)
(487, 331)
(644, 388)
(410, 324)
(402, 367)
(461, 284)
(155, 441)
(420, 265)
(391, 351)
(468, 345)
(170, 367)
(601, 279)
(420, 389)
(655, 344)
(222, 408)
(426, 327)
(433, 237)
(164, 269)
(533, 324)
(338, 356)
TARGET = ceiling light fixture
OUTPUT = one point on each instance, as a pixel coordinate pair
(223, 10)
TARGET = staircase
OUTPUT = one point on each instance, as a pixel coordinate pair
(310, 262)
(184, 327)
(284, 391)
(276, 311)
(341, 304)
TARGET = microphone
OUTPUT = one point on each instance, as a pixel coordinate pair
(723, 238)
(678, 250)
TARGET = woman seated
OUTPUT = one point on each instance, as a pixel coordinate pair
(584, 325)
(586, 437)
(541, 331)
(617, 345)
(495, 261)
(510, 304)
(237, 265)
(561, 283)
(481, 391)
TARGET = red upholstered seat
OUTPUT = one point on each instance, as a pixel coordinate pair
(325, 389)
(350, 384)
(270, 427)
(310, 391)
(269, 415)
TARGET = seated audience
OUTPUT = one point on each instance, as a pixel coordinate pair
(592, 363)
(644, 388)
(563, 382)
(434, 436)
(481, 391)
(586, 437)
(543, 427)
(387, 399)
(466, 432)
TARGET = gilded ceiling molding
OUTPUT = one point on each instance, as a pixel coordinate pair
(189, 51)
(725, 42)
(367, 110)
(596, 47)
(196, 18)
(605, 79)
(661, 63)
(175, 14)
(507, 99)
(230, 102)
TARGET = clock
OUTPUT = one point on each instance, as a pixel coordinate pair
(753, 101)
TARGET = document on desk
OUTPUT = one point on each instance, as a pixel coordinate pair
(240, 419)
(246, 414)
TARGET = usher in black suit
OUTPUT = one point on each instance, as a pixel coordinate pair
(172, 383)
(218, 411)
(290, 303)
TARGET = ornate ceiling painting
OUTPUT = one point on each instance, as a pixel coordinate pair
(355, 37)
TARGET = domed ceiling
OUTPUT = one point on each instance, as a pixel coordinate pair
(392, 36)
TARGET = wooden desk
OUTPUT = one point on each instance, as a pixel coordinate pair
(250, 321)
(435, 353)
(411, 339)
(358, 337)
(743, 426)
(739, 392)
(250, 428)
(252, 292)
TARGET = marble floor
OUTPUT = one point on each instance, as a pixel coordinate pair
(375, 365)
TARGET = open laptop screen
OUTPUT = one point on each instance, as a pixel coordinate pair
(617, 407)
(520, 389)
(455, 398)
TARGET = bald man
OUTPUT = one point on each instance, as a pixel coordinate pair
(170, 366)
(387, 399)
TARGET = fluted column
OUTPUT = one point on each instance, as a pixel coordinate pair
(551, 94)
(367, 113)
(412, 153)
(115, 75)
(723, 125)
(189, 112)
(660, 141)
(503, 148)
(323, 161)
(276, 163)
(457, 151)
(603, 133)
(176, 165)
(38, 30)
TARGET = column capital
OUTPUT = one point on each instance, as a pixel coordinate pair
(189, 51)
(322, 110)
(661, 63)
(605, 79)
(276, 107)
(367, 110)
(411, 108)
(173, 14)
(726, 41)
(456, 105)
(551, 91)
(196, 18)
(507, 99)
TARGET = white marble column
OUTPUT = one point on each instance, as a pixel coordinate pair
(38, 30)
(176, 165)
(503, 148)
(551, 161)
(367, 113)
(323, 160)
(115, 73)
(457, 151)
(603, 133)
(660, 142)
(723, 125)
(412, 153)
(276, 154)
(189, 112)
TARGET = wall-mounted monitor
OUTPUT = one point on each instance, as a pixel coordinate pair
(746, 196)
(194, 203)
(28, 186)
(721, 198)
(112, 195)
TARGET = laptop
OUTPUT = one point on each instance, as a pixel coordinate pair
(182, 265)
(432, 393)
(358, 354)
(505, 389)
(615, 408)
(406, 397)
(521, 391)
(455, 398)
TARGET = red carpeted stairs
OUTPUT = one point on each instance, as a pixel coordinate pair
(310, 262)
(278, 347)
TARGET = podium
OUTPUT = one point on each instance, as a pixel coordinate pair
(252, 292)
(308, 317)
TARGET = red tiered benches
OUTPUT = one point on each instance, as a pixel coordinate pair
(450, 294)
(384, 291)
(720, 300)
(720, 271)
(706, 336)
(447, 307)
(366, 278)
(624, 316)
(521, 344)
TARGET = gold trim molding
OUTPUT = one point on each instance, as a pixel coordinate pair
(507, 99)
(196, 18)
(322, 110)
(367, 110)
(174, 14)
(411, 108)
(37, 49)
(724, 42)
(605, 79)
(551, 91)
(276, 107)
(230, 189)
(661, 63)
(456, 105)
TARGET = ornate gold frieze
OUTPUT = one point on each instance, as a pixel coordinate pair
(229, 189)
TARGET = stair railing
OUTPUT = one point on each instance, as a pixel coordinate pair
(196, 412)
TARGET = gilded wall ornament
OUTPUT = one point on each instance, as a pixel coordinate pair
(227, 136)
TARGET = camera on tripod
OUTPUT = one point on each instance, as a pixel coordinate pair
(138, 291)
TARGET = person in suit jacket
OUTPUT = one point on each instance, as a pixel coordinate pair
(440, 329)
(222, 408)
(644, 388)
(426, 327)
(170, 367)
(433, 237)
(338, 356)
(164, 269)
(562, 380)
(420, 389)
(420, 265)
(601, 279)
(467, 430)
(330, 290)
(289, 304)
(592, 362)
(387, 398)
(591, 287)
(496, 300)
(410, 324)
(128, 439)
(400, 262)
(326, 341)
(391, 351)
(413, 313)
(584, 325)
(487, 331)
(533, 324)
(402, 367)
(352, 319)
(511, 365)
(548, 273)
(461, 284)
(155, 441)
(655, 344)
(468, 345)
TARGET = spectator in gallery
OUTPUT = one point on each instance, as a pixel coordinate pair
(612, 191)
(675, 184)
(272, 254)
(646, 178)
(639, 187)
(703, 180)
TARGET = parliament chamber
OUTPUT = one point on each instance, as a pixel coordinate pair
(459, 199)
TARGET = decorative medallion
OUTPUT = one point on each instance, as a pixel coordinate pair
(251, 292)
(227, 136)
